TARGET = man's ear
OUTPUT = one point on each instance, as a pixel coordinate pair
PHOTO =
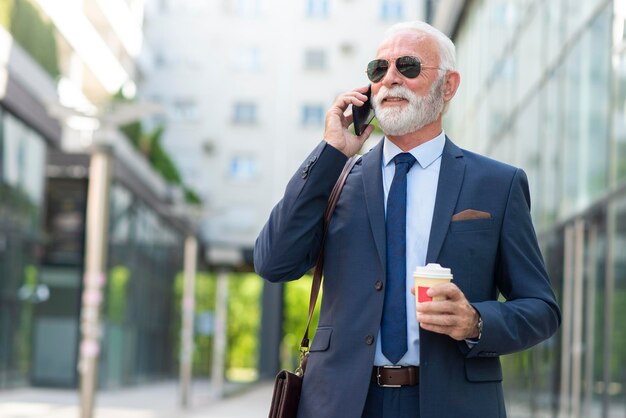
(450, 85)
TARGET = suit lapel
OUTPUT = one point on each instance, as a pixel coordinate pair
(374, 196)
(448, 188)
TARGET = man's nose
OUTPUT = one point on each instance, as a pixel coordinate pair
(392, 77)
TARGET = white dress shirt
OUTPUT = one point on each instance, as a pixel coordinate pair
(422, 182)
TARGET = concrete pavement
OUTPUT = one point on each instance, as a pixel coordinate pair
(158, 400)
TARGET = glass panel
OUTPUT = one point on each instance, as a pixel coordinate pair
(144, 260)
(619, 111)
(545, 371)
(528, 149)
(545, 210)
(593, 338)
(586, 112)
(615, 388)
(22, 155)
(529, 55)
(553, 27)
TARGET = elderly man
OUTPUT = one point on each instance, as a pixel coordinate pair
(415, 198)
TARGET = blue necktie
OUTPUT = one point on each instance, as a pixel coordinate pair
(393, 324)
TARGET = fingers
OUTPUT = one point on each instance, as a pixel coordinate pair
(438, 307)
(448, 291)
(354, 97)
(452, 315)
(336, 125)
(454, 326)
(440, 329)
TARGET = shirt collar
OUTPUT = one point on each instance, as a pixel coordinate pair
(425, 154)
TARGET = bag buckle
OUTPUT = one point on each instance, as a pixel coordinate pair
(378, 376)
(304, 353)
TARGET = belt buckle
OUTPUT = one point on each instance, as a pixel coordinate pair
(378, 376)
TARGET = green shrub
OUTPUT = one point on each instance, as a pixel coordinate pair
(32, 31)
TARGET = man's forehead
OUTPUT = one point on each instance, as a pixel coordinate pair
(408, 42)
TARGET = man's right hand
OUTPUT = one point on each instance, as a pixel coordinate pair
(336, 131)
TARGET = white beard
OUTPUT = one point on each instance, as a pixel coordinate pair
(421, 110)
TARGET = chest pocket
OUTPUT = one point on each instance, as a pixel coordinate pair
(472, 225)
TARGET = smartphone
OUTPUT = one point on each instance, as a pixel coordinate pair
(363, 115)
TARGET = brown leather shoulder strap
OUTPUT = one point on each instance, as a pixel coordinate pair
(319, 265)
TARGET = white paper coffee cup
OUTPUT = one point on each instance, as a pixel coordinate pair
(428, 276)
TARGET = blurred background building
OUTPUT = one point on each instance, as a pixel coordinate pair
(544, 88)
(74, 60)
(246, 85)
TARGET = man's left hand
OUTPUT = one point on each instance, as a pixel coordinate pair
(453, 316)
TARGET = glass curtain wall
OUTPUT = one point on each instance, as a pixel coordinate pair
(544, 88)
(22, 162)
(145, 255)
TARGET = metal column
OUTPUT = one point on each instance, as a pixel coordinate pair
(188, 309)
(97, 228)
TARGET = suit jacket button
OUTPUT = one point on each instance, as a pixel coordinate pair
(369, 340)
(378, 285)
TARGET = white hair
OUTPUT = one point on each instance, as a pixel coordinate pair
(447, 51)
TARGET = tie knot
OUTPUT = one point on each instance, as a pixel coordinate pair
(404, 158)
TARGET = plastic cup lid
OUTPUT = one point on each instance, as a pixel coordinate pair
(433, 270)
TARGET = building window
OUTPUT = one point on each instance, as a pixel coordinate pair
(244, 113)
(246, 8)
(23, 154)
(317, 8)
(315, 59)
(247, 59)
(392, 9)
(185, 110)
(312, 115)
(242, 167)
(159, 60)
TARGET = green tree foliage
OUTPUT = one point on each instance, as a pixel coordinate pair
(244, 316)
(150, 145)
(6, 10)
(159, 158)
(133, 132)
(618, 358)
(26, 320)
(205, 302)
(119, 277)
(30, 29)
(191, 196)
(244, 319)
(294, 319)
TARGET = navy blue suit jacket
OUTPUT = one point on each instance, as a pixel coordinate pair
(488, 257)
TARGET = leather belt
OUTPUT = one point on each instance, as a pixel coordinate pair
(396, 376)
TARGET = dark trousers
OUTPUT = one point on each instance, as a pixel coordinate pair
(403, 402)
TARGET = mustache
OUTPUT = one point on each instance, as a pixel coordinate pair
(396, 91)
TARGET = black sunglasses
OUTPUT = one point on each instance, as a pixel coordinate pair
(408, 66)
